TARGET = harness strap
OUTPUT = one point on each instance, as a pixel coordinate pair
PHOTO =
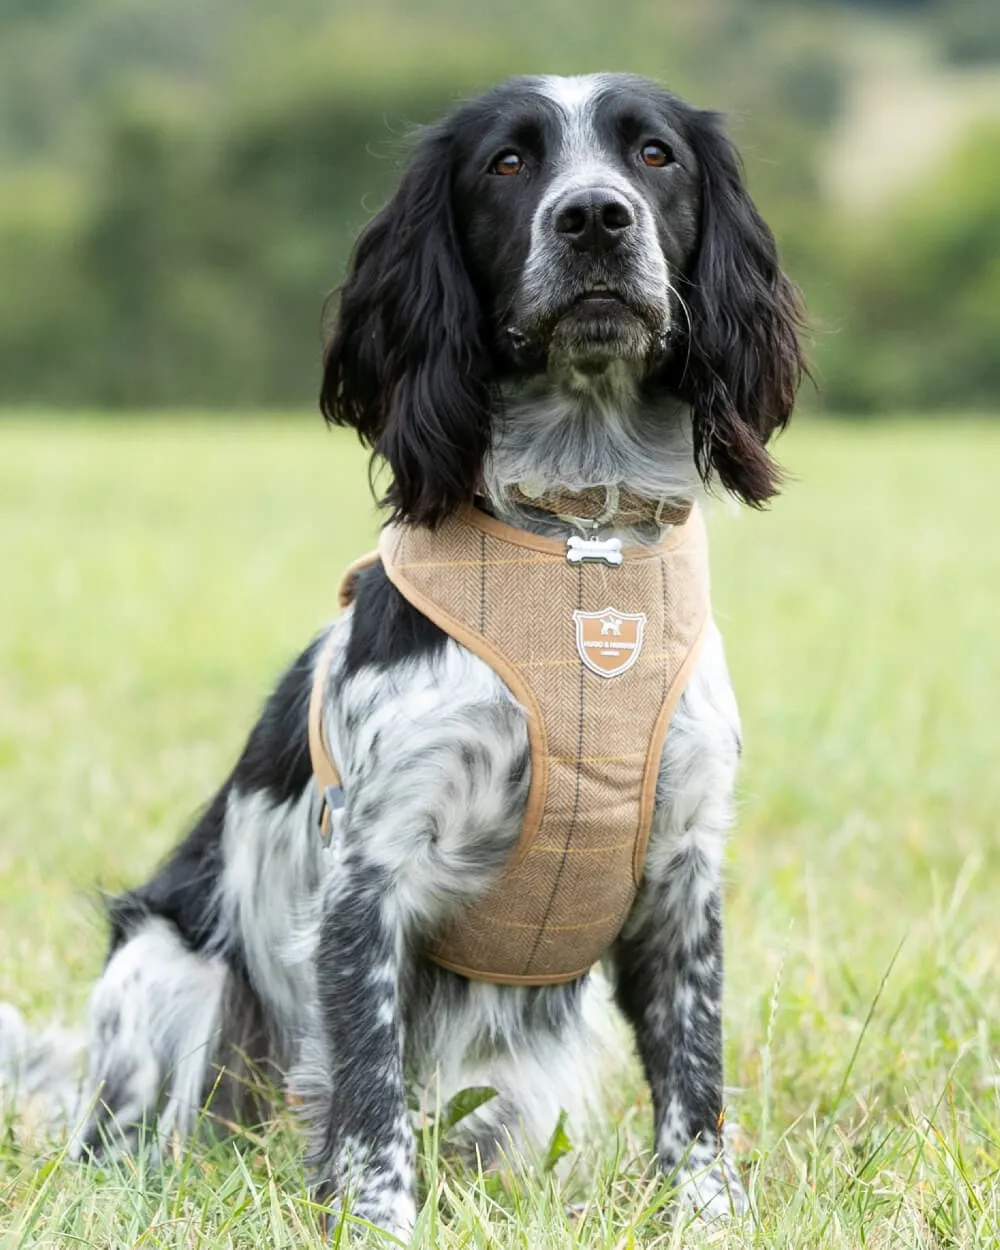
(324, 769)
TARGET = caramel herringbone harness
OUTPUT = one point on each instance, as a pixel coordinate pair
(597, 654)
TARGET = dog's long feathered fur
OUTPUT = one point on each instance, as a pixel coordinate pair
(611, 313)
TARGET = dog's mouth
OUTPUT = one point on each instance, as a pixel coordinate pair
(600, 292)
(609, 304)
(595, 319)
(604, 317)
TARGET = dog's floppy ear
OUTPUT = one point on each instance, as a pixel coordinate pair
(742, 364)
(407, 364)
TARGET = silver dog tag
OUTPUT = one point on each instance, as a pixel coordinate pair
(605, 550)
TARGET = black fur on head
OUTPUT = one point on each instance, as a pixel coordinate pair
(743, 362)
(407, 365)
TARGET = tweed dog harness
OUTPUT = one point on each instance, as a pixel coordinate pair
(596, 644)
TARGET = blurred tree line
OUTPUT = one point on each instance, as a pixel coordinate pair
(179, 185)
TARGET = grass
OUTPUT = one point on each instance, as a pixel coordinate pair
(156, 575)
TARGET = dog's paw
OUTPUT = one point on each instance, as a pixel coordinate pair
(395, 1213)
(41, 1076)
(712, 1190)
(389, 1210)
(397, 1218)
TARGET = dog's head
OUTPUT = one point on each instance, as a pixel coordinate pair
(586, 236)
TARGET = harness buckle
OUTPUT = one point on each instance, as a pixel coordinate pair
(601, 550)
(332, 801)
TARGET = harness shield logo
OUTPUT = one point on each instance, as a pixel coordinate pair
(609, 642)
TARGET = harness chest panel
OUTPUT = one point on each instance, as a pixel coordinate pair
(598, 656)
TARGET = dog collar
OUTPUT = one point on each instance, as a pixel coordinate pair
(597, 506)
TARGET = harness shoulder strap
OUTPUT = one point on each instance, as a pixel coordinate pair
(323, 766)
(324, 769)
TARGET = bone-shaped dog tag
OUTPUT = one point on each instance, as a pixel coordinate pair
(605, 550)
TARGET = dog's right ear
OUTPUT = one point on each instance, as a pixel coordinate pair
(407, 364)
(743, 360)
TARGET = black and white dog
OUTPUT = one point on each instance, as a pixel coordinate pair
(571, 285)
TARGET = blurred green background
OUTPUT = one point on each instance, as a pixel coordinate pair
(180, 182)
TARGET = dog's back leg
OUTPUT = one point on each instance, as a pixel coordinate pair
(174, 1019)
(195, 999)
(178, 1042)
(156, 1021)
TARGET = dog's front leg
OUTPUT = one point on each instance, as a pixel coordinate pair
(668, 960)
(669, 985)
(363, 1146)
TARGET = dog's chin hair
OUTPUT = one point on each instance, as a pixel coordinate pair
(594, 382)
(602, 345)
(591, 437)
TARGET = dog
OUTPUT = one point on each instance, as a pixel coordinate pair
(571, 288)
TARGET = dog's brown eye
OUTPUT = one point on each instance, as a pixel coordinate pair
(507, 163)
(656, 155)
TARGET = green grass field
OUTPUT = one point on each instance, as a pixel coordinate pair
(157, 574)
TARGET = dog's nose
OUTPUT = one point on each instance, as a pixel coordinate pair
(593, 220)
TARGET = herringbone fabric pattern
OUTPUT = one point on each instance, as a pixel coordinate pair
(596, 728)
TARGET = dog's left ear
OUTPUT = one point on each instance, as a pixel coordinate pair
(407, 365)
(742, 364)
